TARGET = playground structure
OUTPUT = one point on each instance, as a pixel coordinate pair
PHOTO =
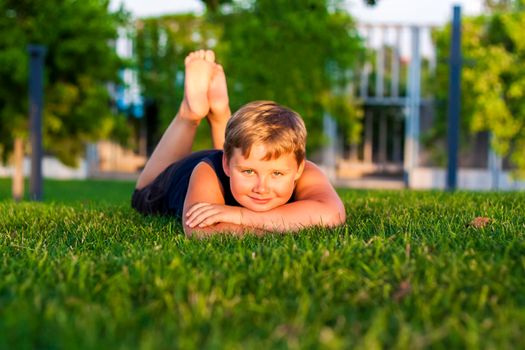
(392, 104)
(398, 110)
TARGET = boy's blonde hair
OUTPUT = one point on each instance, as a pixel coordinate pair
(278, 128)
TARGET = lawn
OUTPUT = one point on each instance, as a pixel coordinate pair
(408, 270)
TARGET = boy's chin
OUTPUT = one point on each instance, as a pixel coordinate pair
(260, 210)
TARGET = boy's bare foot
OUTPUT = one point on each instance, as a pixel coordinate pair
(218, 97)
(199, 69)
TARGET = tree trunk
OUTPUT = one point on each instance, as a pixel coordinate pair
(18, 173)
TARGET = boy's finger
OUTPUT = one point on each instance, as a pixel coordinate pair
(200, 216)
(198, 205)
(204, 222)
(209, 221)
(195, 207)
(198, 211)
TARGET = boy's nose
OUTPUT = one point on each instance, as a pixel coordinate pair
(261, 186)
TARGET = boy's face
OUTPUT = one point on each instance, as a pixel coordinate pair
(258, 184)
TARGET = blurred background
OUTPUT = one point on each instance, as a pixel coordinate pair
(370, 78)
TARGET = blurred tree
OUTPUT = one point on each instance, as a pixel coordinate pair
(300, 54)
(80, 61)
(296, 53)
(214, 5)
(493, 80)
(161, 44)
(498, 5)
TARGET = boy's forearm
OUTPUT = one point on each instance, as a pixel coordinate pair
(290, 217)
(296, 216)
(222, 227)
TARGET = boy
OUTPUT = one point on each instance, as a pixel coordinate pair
(261, 181)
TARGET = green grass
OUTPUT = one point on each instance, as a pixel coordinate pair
(83, 270)
(77, 192)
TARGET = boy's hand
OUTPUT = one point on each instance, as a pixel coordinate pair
(207, 214)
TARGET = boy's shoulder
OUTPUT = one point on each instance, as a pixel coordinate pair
(314, 184)
(204, 173)
(312, 175)
(310, 165)
(312, 171)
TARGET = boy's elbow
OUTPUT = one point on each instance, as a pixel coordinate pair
(342, 218)
(337, 219)
(339, 216)
(333, 215)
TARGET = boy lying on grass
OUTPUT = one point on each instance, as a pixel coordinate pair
(261, 182)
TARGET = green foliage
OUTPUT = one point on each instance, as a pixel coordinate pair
(80, 61)
(493, 81)
(161, 45)
(299, 54)
(500, 5)
(406, 271)
(214, 5)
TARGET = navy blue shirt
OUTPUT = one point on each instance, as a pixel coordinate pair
(180, 179)
(166, 194)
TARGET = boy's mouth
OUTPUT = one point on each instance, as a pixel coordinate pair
(260, 200)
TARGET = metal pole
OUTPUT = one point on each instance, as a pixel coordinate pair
(369, 136)
(330, 130)
(495, 165)
(380, 64)
(454, 100)
(36, 83)
(383, 135)
(396, 56)
(365, 73)
(412, 108)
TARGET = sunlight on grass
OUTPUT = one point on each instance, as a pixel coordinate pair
(407, 271)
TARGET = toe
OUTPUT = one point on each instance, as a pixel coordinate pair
(191, 56)
(209, 56)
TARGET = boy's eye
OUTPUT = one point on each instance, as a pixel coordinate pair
(277, 173)
(248, 171)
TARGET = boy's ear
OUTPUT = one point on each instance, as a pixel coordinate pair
(225, 165)
(300, 170)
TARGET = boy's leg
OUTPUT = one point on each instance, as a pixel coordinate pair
(219, 106)
(177, 140)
